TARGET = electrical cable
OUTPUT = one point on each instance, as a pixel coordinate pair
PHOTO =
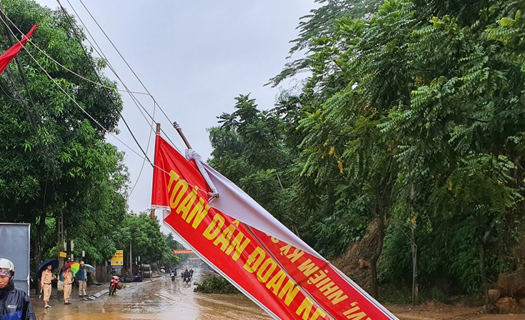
(133, 97)
(88, 80)
(101, 53)
(44, 147)
(71, 71)
(73, 100)
(125, 61)
(131, 93)
(100, 80)
(144, 156)
(143, 162)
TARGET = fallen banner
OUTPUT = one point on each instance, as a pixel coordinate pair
(249, 247)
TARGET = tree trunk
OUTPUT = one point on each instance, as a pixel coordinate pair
(38, 254)
(377, 253)
(374, 290)
(484, 233)
(415, 286)
(483, 272)
(413, 248)
(37, 245)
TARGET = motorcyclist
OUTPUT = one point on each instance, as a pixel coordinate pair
(14, 303)
(187, 275)
(172, 275)
(113, 284)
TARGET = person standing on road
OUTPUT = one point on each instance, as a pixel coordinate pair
(14, 303)
(82, 280)
(68, 282)
(45, 284)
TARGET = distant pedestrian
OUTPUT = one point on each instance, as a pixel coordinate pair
(68, 282)
(14, 303)
(82, 280)
(45, 284)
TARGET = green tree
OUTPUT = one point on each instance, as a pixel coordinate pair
(410, 123)
(143, 235)
(168, 258)
(54, 158)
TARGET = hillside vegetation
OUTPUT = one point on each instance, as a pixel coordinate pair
(401, 155)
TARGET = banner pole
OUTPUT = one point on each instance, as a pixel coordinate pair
(179, 130)
(152, 210)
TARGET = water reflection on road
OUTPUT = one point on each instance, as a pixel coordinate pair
(156, 300)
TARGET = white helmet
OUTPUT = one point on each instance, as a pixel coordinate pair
(6, 266)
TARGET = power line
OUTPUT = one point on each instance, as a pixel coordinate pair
(100, 80)
(71, 98)
(101, 53)
(123, 59)
(143, 156)
(127, 90)
(101, 84)
(143, 162)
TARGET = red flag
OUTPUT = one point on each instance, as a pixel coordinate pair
(289, 281)
(11, 53)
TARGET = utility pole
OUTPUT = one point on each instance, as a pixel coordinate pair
(152, 211)
(130, 258)
(413, 247)
(61, 240)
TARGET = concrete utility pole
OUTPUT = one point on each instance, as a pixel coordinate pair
(130, 259)
(61, 241)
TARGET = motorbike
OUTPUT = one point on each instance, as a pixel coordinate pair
(172, 276)
(113, 285)
(187, 279)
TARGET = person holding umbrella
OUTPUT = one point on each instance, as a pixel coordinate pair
(45, 284)
(45, 281)
(67, 275)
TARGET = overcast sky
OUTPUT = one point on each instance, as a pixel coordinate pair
(194, 57)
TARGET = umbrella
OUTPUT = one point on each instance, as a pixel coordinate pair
(75, 266)
(43, 266)
(89, 267)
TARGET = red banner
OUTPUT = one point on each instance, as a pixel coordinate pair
(287, 282)
(11, 53)
(183, 252)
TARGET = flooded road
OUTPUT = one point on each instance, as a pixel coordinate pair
(158, 299)
(162, 299)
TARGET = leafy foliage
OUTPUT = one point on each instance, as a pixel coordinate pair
(409, 128)
(215, 284)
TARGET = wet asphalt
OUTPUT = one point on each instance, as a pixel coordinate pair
(155, 299)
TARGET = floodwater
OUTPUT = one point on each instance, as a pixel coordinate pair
(162, 299)
(158, 299)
